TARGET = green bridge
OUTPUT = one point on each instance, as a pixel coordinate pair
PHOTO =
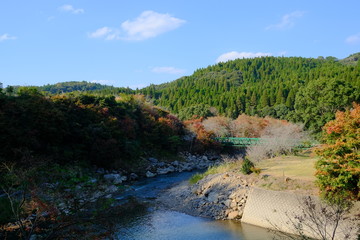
(240, 142)
(245, 142)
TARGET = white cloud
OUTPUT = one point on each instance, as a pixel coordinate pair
(101, 32)
(148, 25)
(104, 82)
(234, 55)
(353, 39)
(169, 70)
(71, 9)
(287, 21)
(6, 36)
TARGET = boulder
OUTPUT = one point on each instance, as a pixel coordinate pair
(202, 165)
(93, 180)
(185, 167)
(153, 160)
(213, 197)
(111, 189)
(233, 215)
(160, 164)
(165, 170)
(114, 178)
(227, 203)
(123, 178)
(133, 176)
(233, 204)
(150, 174)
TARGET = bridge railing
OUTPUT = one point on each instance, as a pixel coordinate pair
(244, 142)
(234, 141)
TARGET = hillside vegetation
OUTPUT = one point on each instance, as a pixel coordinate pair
(102, 131)
(294, 88)
(67, 87)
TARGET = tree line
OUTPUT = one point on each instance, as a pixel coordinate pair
(298, 89)
(98, 130)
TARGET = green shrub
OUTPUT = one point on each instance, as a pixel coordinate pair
(247, 166)
(196, 177)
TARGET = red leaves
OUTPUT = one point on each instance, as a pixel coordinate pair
(340, 158)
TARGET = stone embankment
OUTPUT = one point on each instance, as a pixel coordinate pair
(219, 196)
(235, 196)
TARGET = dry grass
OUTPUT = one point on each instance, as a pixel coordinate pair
(289, 173)
(283, 173)
(299, 167)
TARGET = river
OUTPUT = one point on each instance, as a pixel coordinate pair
(156, 223)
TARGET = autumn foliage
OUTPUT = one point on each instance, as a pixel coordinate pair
(243, 126)
(338, 170)
(99, 130)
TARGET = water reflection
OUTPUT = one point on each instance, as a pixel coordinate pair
(164, 225)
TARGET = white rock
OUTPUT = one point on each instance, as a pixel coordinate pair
(227, 203)
(233, 215)
(150, 174)
(123, 178)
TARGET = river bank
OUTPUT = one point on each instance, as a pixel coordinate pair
(236, 196)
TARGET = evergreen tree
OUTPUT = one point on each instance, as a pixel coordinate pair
(264, 100)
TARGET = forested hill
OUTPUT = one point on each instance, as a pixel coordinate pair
(353, 59)
(282, 87)
(65, 87)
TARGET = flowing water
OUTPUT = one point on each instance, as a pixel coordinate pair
(154, 223)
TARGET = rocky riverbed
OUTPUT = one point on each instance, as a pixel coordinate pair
(235, 196)
(219, 196)
(154, 167)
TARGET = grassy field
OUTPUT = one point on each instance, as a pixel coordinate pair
(299, 167)
(283, 173)
(289, 173)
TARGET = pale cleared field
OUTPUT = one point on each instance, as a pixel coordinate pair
(298, 167)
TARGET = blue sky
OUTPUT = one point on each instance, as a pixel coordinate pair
(135, 43)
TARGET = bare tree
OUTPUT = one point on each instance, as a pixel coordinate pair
(320, 220)
(220, 126)
(277, 139)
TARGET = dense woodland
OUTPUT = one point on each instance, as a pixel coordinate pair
(298, 89)
(76, 88)
(304, 90)
(98, 123)
(102, 131)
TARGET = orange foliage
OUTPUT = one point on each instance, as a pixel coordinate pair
(340, 157)
(253, 127)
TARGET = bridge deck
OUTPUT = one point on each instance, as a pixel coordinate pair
(244, 142)
(233, 141)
